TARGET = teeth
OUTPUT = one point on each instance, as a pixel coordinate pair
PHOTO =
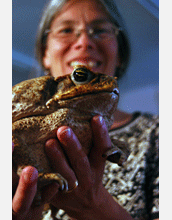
(92, 64)
(88, 64)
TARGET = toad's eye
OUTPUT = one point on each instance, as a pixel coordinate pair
(81, 75)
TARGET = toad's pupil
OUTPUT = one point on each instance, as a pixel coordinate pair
(81, 75)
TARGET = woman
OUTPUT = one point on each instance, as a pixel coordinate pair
(88, 32)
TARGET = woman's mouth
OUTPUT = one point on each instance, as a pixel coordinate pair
(89, 64)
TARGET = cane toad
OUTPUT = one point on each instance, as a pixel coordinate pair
(41, 105)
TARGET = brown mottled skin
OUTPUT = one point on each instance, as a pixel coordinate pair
(43, 104)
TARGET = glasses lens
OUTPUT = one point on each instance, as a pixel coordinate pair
(98, 32)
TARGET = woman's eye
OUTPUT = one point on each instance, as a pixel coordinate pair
(100, 31)
(66, 31)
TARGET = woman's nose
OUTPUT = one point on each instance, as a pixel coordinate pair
(84, 42)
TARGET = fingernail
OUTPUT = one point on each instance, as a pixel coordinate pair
(50, 144)
(99, 119)
(110, 152)
(65, 132)
(114, 155)
(31, 175)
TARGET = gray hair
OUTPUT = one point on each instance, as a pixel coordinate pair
(54, 7)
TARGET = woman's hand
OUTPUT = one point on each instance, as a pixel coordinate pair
(89, 200)
(24, 189)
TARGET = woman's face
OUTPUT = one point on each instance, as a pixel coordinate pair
(100, 55)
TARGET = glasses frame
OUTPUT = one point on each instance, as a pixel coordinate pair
(88, 31)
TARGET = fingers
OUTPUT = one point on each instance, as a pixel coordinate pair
(49, 191)
(72, 162)
(59, 162)
(25, 192)
(102, 142)
(78, 159)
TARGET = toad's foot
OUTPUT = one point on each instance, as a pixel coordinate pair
(47, 178)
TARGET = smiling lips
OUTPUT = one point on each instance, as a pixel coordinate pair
(88, 62)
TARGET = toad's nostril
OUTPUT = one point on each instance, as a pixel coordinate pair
(116, 91)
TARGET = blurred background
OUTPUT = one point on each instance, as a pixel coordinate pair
(139, 88)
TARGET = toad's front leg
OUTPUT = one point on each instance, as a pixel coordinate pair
(47, 178)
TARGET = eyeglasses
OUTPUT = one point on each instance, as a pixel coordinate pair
(103, 32)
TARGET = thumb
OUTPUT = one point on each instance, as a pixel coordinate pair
(25, 192)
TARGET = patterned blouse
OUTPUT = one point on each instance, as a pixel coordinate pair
(135, 185)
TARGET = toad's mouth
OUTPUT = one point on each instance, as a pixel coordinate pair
(66, 97)
(114, 92)
(54, 104)
(72, 103)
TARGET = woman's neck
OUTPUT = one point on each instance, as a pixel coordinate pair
(121, 119)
